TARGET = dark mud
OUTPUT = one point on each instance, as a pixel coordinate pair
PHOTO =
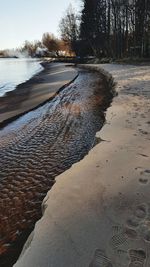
(38, 147)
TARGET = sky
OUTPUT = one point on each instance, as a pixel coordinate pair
(22, 20)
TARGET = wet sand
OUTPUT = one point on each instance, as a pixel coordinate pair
(36, 91)
(40, 145)
(104, 216)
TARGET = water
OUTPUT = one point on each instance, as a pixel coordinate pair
(16, 71)
(41, 145)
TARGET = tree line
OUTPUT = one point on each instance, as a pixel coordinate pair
(109, 28)
(48, 46)
(103, 28)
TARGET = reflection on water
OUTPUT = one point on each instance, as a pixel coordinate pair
(16, 71)
(41, 145)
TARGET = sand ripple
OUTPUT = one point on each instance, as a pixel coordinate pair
(41, 145)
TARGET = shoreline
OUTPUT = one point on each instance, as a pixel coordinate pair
(104, 211)
(35, 92)
(37, 72)
(89, 88)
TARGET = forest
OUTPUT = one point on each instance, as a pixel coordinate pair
(116, 28)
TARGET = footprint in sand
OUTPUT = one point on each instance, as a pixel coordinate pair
(141, 211)
(145, 230)
(133, 222)
(131, 234)
(140, 220)
(137, 258)
(121, 235)
(118, 239)
(143, 181)
(100, 259)
(140, 214)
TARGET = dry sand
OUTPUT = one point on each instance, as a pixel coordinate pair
(36, 91)
(98, 212)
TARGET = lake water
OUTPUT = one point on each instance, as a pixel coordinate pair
(16, 71)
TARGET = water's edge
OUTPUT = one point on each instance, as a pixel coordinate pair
(16, 86)
(110, 87)
(45, 65)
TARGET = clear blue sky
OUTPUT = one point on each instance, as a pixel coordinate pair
(22, 20)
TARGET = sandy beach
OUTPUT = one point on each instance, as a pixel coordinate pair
(36, 91)
(98, 212)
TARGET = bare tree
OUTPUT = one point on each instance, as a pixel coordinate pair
(30, 47)
(69, 29)
(51, 43)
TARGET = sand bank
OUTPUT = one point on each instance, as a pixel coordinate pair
(41, 145)
(98, 212)
(36, 91)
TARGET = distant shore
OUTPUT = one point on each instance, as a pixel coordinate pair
(40, 88)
